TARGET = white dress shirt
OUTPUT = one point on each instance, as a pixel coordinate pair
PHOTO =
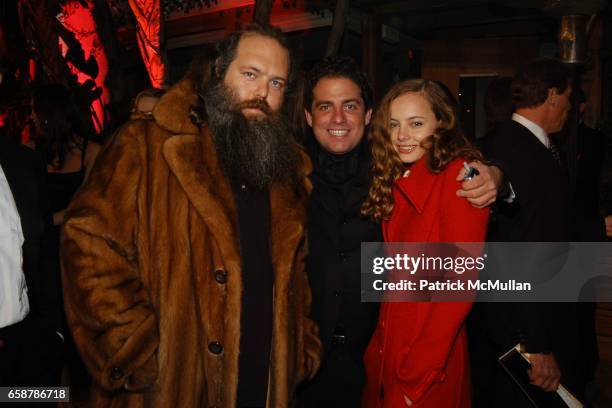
(14, 305)
(533, 128)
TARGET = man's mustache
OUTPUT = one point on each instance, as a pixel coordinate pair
(260, 104)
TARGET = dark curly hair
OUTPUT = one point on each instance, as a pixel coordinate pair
(58, 128)
(337, 67)
(446, 144)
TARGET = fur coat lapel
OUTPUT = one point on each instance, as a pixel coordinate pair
(192, 158)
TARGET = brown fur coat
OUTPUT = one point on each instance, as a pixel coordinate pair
(142, 244)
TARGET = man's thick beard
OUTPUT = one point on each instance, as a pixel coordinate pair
(254, 152)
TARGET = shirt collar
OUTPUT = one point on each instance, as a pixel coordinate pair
(9, 214)
(533, 128)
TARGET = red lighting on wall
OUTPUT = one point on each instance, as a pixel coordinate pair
(148, 21)
(78, 19)
(32, 69)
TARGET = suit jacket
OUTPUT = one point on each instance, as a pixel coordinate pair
(542, 208)
(152, 270)
(540, 213)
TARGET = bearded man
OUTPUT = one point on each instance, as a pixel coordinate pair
(183, 255)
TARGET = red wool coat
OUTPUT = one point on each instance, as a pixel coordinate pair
(419, 349)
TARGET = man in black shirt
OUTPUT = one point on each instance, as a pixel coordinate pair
(341, 179)
(338, 108)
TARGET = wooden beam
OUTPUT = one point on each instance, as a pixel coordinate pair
(544, 29)
(371, 55)
(419, 6)
(338, 26)
(263, 8)
(474, 16)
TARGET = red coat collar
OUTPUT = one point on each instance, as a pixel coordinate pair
(418, 185)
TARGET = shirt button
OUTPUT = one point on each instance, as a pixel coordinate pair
(220, 276)
(337, 292)
(215, 347)
(243, 187)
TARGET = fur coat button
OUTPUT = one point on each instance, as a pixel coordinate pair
(116, 374)
(220, 276)
(215, 347)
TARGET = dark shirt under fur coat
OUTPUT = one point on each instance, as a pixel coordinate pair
(152, 274)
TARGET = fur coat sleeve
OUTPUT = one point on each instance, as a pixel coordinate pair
(114, 326)
(313, 348)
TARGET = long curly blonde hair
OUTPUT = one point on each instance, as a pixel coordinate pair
(446, 144)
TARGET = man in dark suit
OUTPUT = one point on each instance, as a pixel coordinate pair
(30, 350)
(541, 212)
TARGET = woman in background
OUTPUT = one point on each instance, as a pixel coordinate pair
(69, 158)
(59, 137)
(418, 353)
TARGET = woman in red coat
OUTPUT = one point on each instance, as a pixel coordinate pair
(418, 354)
